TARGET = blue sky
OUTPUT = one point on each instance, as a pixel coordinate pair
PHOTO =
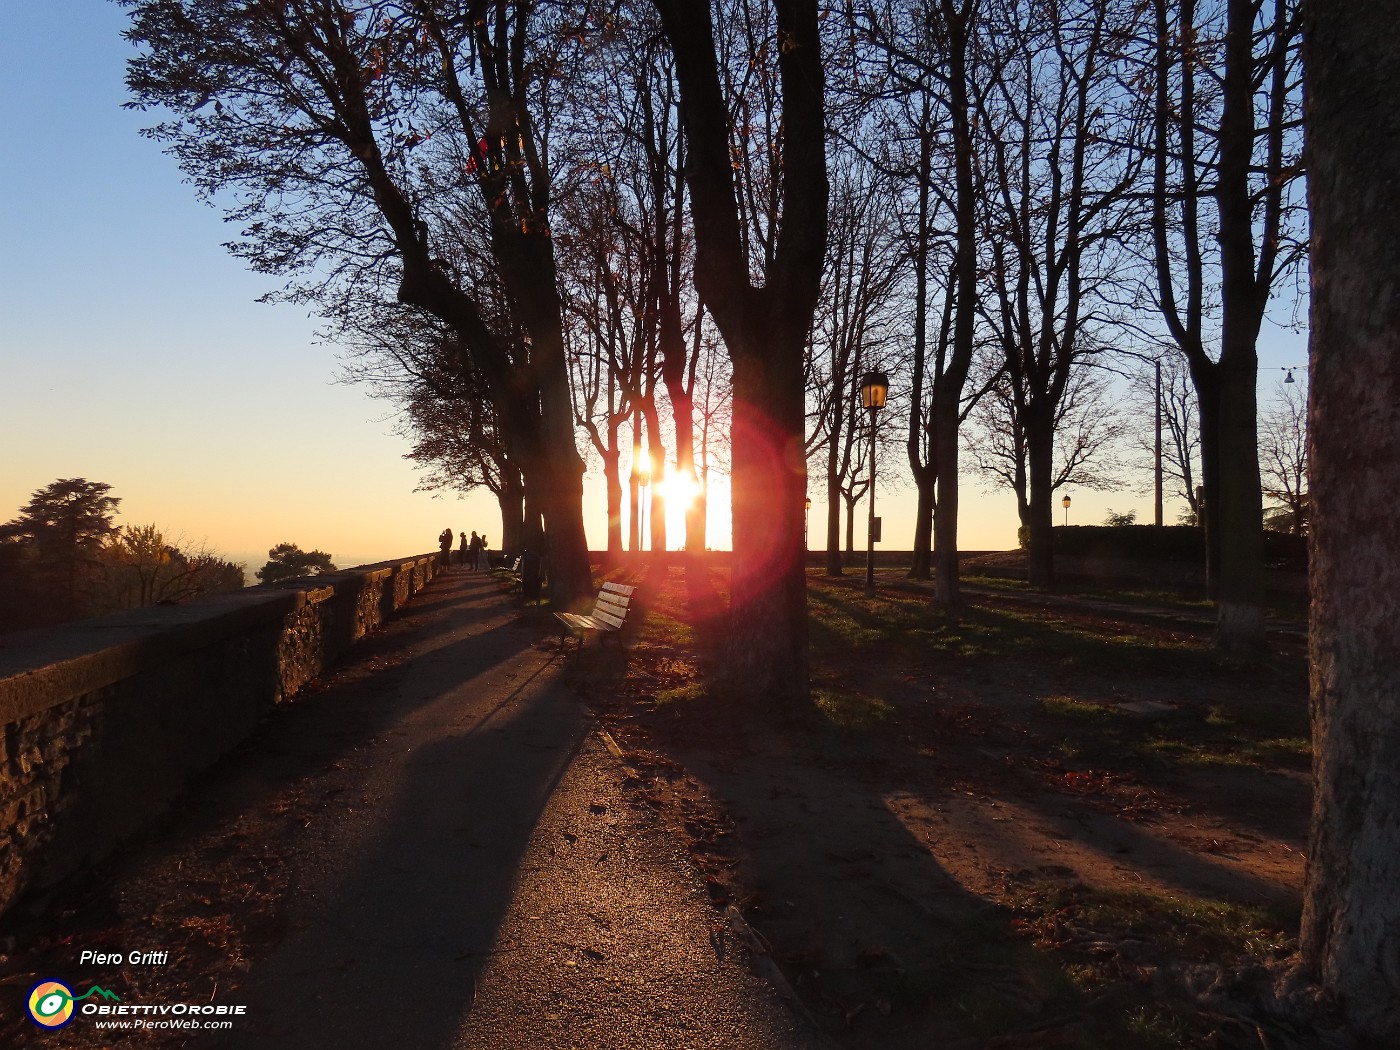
(133, 351)
(132, 348)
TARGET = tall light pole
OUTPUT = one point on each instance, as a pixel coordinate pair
(874, 388)
(1157, 488)
(806, 520)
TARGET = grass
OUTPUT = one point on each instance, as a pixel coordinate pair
(1257, 737)
(844, 619)
(851, 710)
(894, 673)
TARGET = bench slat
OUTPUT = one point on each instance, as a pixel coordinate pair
(607, 618)
(613, 607)
(618, 588)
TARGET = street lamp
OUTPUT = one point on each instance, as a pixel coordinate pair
(1065, 503)
(806, 520)
(874, 388)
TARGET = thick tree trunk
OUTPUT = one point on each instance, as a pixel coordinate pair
(922, 567)
(1207, 383)
(850, 553)
(946, 591)
(768, 583)
(554, 480)
(613, 479)
(1040, 457)
(512, 503)
(1351, 915)
(1238, 513)
(833, 524)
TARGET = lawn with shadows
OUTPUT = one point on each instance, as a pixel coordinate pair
(979, 836)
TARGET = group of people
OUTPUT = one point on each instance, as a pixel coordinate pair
(471, 553)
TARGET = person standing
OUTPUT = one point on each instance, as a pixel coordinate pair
(445, 546)
(462, 549)
(475, 559)
(485, 558)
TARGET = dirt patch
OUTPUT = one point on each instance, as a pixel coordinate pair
(971, 842)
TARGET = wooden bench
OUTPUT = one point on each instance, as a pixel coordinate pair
(608, 616)
(510, 572)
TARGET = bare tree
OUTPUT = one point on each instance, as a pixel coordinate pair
(1089, 431)
(765, 322)
(936, 66)
(1181, 433)
(1283, 454)
(1226, 160)
(1063, 176)
(356, 139)
(854, 327)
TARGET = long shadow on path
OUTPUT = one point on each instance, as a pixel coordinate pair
(398, 899)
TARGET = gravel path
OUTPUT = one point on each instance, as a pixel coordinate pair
(441, 853)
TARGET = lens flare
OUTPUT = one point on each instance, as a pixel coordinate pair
(679, 490)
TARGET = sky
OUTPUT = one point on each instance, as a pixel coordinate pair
(133, 350)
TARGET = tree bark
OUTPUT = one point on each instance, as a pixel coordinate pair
(512, 503)
(1351, 915)
(1040, 453)
(946, 591)
(612, 477)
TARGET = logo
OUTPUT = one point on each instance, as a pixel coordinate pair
(51, 1002)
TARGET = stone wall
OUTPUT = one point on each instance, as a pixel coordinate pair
(105, 721)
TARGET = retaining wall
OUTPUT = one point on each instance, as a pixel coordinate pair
(105, 721)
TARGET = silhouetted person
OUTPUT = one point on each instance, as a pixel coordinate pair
(485, 558)
(462, 549)
(475, 551)
(445, 544)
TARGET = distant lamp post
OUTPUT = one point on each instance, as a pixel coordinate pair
(874, 388)
(643, 480)
(806, 520)
(1065, 503)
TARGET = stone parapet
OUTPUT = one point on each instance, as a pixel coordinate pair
(105, 721)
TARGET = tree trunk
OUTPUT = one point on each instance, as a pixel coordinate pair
(768, 582)
(1238, 514)
(850, 532)
(946, 591)
(613, 479)
(634, 489)
(833, 525)
(1040, 453)
(922, 567)
(1351, 915)
(656, 456)
(512, 503)
(1207, 383)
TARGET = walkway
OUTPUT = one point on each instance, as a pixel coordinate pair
(457, 863)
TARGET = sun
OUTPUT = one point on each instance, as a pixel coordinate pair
(679, 490)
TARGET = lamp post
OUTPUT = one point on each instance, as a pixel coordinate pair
(1065, 503)
(806, 521)
(1157, 467)
(874, 388)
